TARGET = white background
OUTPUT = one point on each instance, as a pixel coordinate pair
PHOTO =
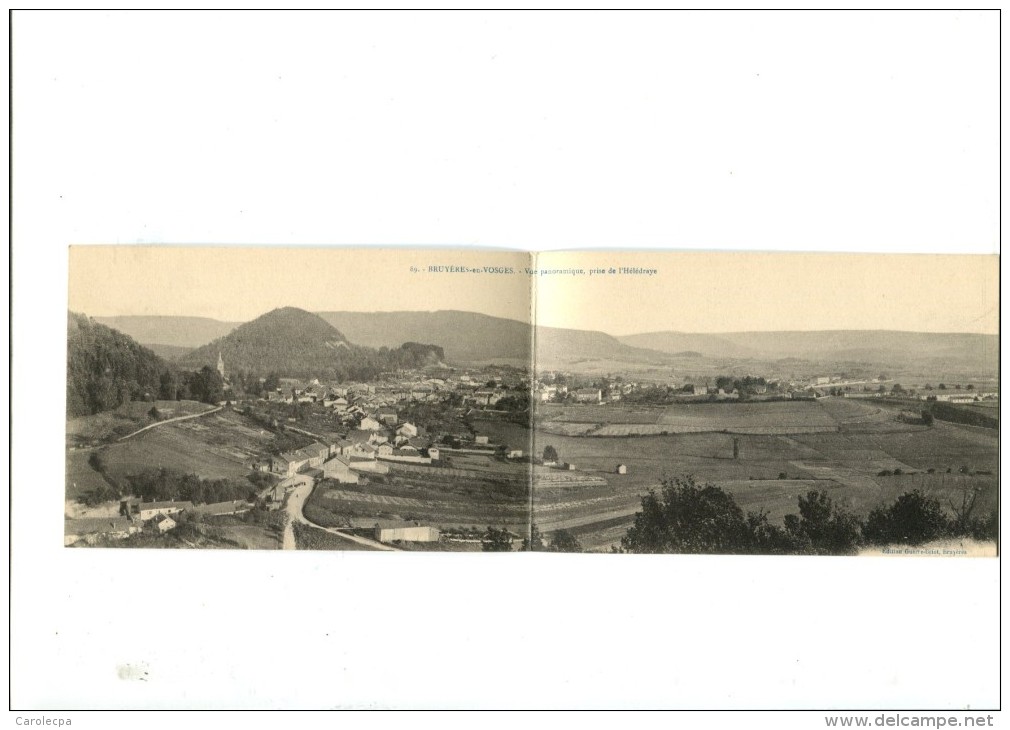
(769, 131)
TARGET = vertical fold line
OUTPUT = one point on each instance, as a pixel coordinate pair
(532, 391)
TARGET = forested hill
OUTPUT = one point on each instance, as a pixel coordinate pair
(106, 368)
(296, 343)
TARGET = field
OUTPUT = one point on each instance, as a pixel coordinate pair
(81, 477)
(111, 425)
(494, 495)
(614, 420)
(851, 443)
(219, 445)
(312, 538)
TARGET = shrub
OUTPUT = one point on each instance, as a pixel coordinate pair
(912, 520)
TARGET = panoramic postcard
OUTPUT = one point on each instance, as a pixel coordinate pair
(289, 398)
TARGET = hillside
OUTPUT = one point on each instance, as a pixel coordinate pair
(468, 337)
(464, 336)
(557, 347)
(957, 350)
(106, 368)
(291, 341)
(178, 332)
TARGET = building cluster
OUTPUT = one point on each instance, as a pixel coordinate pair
(136, 515)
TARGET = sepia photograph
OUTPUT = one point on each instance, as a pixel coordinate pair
(505, 360)
(226, 399)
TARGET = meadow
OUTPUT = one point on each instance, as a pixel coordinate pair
(215, 446)
(783, 451)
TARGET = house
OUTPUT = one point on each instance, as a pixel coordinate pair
(421, 392)
(588, 395)
(289, 463)
(515, 454)
(621, 469)
(149, 510)
(411, 532)
(316, 452)
(369, 424)
(487, 397)
(339, 468)
(366, 450)
(407, 429)
(164, 523)
(388, 416)
(433, 453)
(407, 454)
(341, 447)
(384, 450)
(90, 530)
(962, 399)
(483, 440)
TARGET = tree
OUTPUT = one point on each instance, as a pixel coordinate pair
(913, 519)
(272, 383)
(550, 453)
(941, 386)
(496, 541)
(822, 527)
(562, 541)
(927, 418)
(687, 517)
(169, 386)
(535, 542)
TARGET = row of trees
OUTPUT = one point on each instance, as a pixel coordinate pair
(560, 541)
(688, 517)
(154, 485)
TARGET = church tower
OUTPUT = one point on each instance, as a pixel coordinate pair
(220, 364)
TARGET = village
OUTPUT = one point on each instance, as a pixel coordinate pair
(426, 455)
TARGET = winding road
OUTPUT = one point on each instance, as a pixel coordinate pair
(294, 507)
(171, 420)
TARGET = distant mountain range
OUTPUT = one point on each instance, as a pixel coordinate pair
(187, 332)
(878, 346)
(468, 337)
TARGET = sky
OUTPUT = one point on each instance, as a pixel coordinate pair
(682, 291)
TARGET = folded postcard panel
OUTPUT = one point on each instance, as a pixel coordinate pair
(569, 401)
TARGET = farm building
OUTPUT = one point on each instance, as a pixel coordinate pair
(339, 468)
(164, 523)
(409, 532)
(149, 510)
(90, 530)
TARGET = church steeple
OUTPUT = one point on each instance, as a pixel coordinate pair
(220, 364)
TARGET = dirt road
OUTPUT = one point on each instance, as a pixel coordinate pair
(296, 501)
